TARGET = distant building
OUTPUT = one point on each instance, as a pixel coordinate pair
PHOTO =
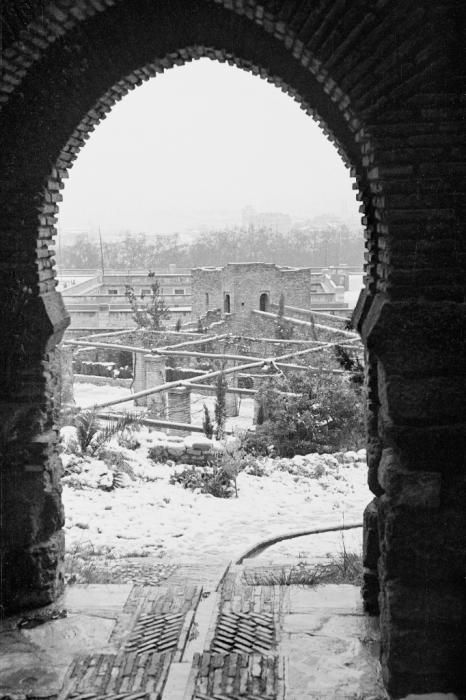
(244, 287)
(98, 301)
(94, 300)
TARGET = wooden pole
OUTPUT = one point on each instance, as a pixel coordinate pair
(232, 390)
(313, 312)
(299, 322)
(132, 348)
(309, 350)
(106, 346)
(179, 382)
(186, 343)
(155, 422)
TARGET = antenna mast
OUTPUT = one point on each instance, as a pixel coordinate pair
(101, 255)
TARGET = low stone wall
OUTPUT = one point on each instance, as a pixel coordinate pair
(198, 452)
(102, 381)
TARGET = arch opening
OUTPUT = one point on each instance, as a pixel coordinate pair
(264, 302)
(330, 60)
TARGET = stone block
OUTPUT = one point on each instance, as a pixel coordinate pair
(413, 489)
(428, 400)
(422, 545)
(446, 605)
(423, 639)
(202, 445)
(412, 334)
(435, 448)
(33, 576)
(176, 451)
(371, 553)
(370, 544)
(370, 592)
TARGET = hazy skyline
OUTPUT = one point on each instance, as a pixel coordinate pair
(195, 145)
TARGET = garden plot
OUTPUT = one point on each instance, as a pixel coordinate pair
(147, 516)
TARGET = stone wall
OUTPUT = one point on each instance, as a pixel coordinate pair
(296, 287)
(199, 452)
(206, 291)
(245, 283)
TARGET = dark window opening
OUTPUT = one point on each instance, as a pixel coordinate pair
(264, 302)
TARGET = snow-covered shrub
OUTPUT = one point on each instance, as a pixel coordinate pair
(96, 474)
(259, 443)
(210, 480)
(255, 468)
(307, 466)
(92, 436)
(158, 453)
(128, 440)
(309, 413)
(117, 463)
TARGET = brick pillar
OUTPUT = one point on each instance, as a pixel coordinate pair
(371, 554)
(139, 383)
(155, 372)
(371, 549)
(179, 407)
(231, 399)
(261, 384)
(31, 535)
(66, 376)
(418, 466)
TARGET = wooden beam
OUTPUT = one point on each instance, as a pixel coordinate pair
(137, 349)
(180, 382)
(299, 322)
(155, 422)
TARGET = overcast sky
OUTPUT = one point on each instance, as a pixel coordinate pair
(195, 145)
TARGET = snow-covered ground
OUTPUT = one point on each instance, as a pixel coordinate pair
(150, 517)
(87, 394)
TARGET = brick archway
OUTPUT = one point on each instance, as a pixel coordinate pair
(383, 80)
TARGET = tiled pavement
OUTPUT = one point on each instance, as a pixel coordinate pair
(192, 639)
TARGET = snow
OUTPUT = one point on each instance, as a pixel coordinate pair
(87, 394)
(150, 517)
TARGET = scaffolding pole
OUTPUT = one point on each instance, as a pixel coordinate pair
(132, 348)
(308, 324)
(179, 382)
(270, 362)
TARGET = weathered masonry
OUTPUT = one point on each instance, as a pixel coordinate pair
(383, 78)
(241, 287)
